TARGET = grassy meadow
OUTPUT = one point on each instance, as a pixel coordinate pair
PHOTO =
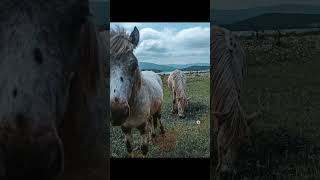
(184, 138)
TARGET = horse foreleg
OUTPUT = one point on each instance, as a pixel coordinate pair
(174, 103)
(162, 131)
(128, 140)
(156, 118)
(152, 126)
(144, 131)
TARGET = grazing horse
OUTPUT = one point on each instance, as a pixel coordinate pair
(53, 104)
(177, 85)
(231, 122)
(135, 97)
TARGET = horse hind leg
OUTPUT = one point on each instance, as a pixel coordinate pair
(128, 140)
(155, 120)
(174, 104)
(151, 123)
(155, 123)
(162, 128)
(162, 131)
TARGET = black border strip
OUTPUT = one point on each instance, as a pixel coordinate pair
(160, 10)
(160, 168)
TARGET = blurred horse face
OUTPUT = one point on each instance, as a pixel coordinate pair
(36, 56)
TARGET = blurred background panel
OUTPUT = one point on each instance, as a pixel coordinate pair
(281, 43)
(101, 10)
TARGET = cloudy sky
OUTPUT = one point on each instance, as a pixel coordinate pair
(171, 43)
(242, 4)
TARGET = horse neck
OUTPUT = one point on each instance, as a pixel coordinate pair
(237, 124)
(136, 86)
(181, 93)
(180, 86)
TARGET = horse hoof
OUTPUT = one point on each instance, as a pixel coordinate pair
(130, 155)
(136, 149)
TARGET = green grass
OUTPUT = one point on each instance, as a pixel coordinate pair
(184, 137)
(286, 139)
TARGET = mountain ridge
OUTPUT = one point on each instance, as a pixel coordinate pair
(172, 67)
(221, 16)
(274, 21)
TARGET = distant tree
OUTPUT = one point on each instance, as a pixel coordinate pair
(278, 35)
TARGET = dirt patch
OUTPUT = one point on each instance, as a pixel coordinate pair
(167, 141)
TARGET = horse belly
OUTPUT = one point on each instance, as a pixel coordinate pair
(135, 121)
(155, 106)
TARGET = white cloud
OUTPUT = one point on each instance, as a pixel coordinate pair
(170, 46)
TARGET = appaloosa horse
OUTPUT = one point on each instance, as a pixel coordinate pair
(136, 97)
(53, 108)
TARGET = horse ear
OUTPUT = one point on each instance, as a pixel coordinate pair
(135, 36)
(252, 117)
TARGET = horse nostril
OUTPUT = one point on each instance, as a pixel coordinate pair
(116, 99)
(121, 79)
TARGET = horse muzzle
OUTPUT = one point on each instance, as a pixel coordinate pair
(120, 111)
(38, 159)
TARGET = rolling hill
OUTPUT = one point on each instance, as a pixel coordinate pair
(182, 66)
(221, 17)
(152, 66)
(274, 21)
(196, 68)
(172, 67)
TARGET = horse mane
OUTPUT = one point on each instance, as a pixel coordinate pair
(180, 82)
(85, 122)
(229, 71)
(120, 42)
